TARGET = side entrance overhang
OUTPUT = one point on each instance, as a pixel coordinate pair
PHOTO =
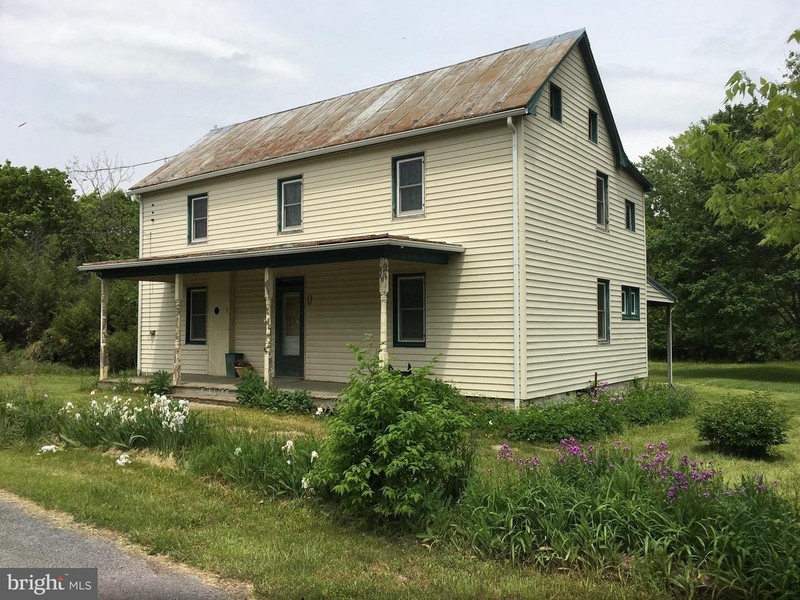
(218, 266)
(658, 295)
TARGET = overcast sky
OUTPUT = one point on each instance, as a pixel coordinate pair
(143, 80)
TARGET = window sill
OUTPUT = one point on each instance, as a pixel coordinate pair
(398, 344)
(602, 228)
(630, 318)
(198, 242)
(409, 215)
(291, 230)
(190, 343)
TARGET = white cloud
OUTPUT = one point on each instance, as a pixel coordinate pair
(82, 122)
(191, 43)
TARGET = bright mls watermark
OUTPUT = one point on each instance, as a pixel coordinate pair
(61, 584)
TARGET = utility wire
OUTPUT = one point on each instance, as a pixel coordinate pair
(149, 162)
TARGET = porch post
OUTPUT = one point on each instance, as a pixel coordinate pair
(104, 292)
(383, 288)
(669, 345)
(269, 294)
(176, 362)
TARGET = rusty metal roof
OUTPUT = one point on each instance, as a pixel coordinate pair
(335, 250)
(458, 94)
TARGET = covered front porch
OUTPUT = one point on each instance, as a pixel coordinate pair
(289, 310)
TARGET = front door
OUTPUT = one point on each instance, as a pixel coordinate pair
(289, 328)
(218, 315)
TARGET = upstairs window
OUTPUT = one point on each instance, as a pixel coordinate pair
(555, 102)
(630, 303)
(408, 179)
(603, 324)
(196, 300)
(409, 310)
(602, 200)
(198, 218)
(593, 126)
(290, 204)
(630, 215)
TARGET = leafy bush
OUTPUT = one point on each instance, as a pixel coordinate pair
(749, 425)
(583, 418)
(156, 422)
(159, 384)
(398, 449)
(654, 517)
(645, 405)
(274, 466)
(251, 390)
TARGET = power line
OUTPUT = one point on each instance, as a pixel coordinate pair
(121, 167)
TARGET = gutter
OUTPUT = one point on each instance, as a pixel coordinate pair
(330, 150)
(140, 287)
(515, 261)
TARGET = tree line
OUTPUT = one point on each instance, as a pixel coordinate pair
(48, 309)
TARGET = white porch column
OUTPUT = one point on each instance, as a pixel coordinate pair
(104, 292)
(176, 362)
(669, 345)
(383, 288)
(269, 351)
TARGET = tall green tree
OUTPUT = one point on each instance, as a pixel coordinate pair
(738, 299)
(757, 177)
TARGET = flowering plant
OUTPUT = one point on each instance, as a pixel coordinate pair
(240, 362)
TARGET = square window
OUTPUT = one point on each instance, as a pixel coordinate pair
(196, 300)
(602, 200)
(630, 303)
(630, 215)
(198, 218)
(593, 126)
(408, 178)
(290, 204)
(409, 310)
(603, 321)
(555, 102)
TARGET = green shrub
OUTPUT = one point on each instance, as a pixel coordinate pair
(648, 404)
(584, 418)
(748, 425)
(159, 384)
(273, 465)
(671, 522)
(251, 389)
(398, 450)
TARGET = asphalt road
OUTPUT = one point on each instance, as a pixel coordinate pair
(29, 540)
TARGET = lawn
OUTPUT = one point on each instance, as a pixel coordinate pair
(293, 548)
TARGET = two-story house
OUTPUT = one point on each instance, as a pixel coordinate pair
(483, 213)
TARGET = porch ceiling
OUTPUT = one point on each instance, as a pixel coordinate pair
(280, 255)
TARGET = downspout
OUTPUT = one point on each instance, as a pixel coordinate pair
(515, 259)
(140, 286)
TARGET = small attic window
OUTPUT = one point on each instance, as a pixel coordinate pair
(593, 126)
(555, 102)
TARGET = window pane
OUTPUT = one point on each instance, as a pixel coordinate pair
(633, 303)
(197, 317)
(411, 199)
(410, 172)
(411, 293)
(200, 229)
(624, 303)
(291, 216)
(199, 208)
(412, 324)
(292, 192)
(198, 328)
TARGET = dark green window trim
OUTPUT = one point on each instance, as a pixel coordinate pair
(630, 215)
(396, 212)
(601, 197)
(630, 303)
(556, 99)
(593, 126)
(281, 219)
(194, 305)
(603, 313)
(193, 223)
(397, 282)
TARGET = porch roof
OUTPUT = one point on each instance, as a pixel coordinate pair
(658, 295)
(279, 255)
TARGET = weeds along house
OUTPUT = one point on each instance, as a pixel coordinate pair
(484, 213)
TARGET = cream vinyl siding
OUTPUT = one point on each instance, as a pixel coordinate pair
(566, 252)
(469, 302)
